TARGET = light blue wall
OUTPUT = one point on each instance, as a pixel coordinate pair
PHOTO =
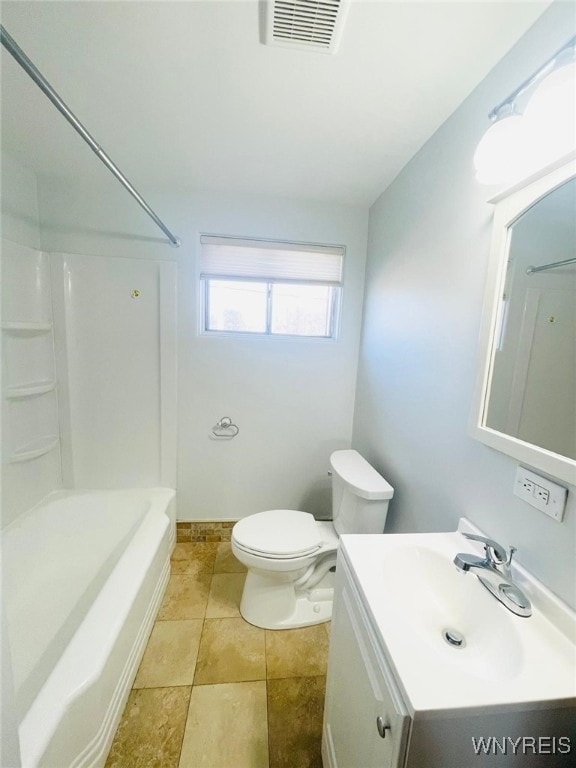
(429, 240)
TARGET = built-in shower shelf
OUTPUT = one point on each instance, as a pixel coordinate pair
(35, 449)
(30, 390)
(18, 327)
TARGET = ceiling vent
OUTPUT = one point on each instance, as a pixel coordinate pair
(314, 25)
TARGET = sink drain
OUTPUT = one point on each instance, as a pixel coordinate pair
(454, 638)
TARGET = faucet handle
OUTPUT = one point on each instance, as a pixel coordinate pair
(495, 553)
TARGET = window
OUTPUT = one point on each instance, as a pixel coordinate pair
(270, 288)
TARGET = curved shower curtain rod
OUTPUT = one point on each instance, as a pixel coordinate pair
(14, 49)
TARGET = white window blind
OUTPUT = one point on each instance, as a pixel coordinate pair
(226, 257)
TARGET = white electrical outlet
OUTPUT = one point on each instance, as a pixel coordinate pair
(541, 493)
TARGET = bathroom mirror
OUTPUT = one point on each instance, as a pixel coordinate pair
(525, 402)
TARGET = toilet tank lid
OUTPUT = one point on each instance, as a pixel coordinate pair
(360, 476)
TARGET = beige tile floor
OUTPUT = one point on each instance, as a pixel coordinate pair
(213, 691)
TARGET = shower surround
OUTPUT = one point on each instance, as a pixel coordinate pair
(88, 402)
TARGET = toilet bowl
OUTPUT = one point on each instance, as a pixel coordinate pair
(291, 557)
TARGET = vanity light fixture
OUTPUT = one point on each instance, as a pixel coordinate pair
(521, 141)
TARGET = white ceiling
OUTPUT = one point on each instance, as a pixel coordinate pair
(182, 95)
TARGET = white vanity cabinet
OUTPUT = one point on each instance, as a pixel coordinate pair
(365, 721)
(399, 696)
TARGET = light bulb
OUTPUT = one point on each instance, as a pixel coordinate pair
(501, 153)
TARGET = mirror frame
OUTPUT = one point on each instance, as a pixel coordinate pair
(509, 206)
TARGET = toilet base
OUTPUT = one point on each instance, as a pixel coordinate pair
(270, 604)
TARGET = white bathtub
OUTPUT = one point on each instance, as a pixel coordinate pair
(84, 575)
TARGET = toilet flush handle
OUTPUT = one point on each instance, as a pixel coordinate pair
(381, 727)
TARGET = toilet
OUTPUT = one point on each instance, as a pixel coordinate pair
(291, 557)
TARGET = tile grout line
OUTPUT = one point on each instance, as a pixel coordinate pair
(267, 698)
(195, 666)
(184, 729)
(268, 723)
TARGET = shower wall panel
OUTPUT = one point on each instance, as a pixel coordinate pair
(115, 340)
(30, 430)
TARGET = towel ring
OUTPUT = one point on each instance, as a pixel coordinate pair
(224, 429)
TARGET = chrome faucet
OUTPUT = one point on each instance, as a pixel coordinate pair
(493, 572)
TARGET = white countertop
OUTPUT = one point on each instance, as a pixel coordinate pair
(413, 592)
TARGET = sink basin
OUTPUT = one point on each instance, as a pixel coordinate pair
(451, 642)
(455, 604)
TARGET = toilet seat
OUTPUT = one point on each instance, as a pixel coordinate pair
(278, 534)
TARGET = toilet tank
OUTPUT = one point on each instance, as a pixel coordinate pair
(360, 495)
